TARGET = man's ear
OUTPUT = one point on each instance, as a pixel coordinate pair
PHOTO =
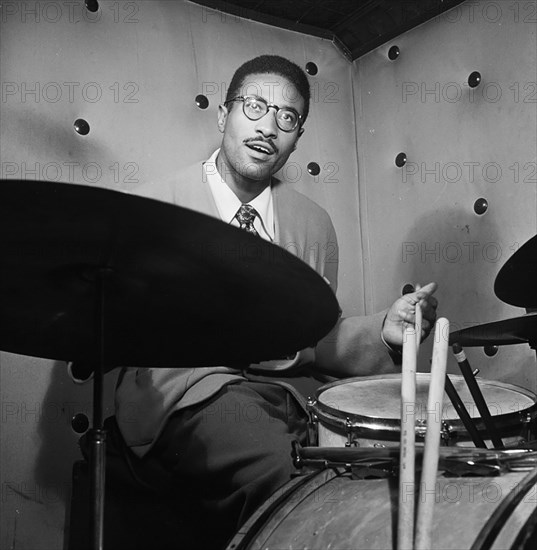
(300, 132)
(222, 117)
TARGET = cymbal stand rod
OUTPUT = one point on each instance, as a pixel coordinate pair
(533, 340)
(482, 407)
(98, 434)
(463, 413)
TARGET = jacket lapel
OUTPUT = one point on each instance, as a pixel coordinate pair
(287, 233)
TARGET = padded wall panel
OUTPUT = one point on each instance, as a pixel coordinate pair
(132, 71)
(462, 144)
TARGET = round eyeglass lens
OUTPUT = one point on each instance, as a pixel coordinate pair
(254, 108)
(287, 120)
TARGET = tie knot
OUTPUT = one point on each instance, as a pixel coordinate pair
(246, 216)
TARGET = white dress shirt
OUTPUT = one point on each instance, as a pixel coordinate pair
(228, 203)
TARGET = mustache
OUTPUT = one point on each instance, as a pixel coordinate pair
(262, 140)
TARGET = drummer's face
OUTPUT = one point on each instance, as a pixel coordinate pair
(256, 149)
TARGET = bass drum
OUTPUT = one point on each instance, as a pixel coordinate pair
(329, 510)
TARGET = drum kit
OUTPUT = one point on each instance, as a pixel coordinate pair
(90, 274)
(484, 491)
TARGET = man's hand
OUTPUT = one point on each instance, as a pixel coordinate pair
(403, 311)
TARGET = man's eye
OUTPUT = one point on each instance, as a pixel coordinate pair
(288, 116)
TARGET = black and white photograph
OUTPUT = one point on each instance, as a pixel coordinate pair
(268, 274)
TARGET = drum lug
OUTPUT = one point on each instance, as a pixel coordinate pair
(295, 453)
(348, 428)
(445, 433)
(421, 430)
(526, 420)
(313, 422)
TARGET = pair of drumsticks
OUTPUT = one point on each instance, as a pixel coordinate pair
(424, 521)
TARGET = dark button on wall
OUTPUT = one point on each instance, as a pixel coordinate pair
(82, 127)
(311, 68)
(490, 350)
(314, 169)
(202, 102)
(474, 79)
(393, 52)
(400, 160)
(481, 206)
(92, 5)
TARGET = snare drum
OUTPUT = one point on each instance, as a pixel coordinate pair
(366, 412)
(332, 510)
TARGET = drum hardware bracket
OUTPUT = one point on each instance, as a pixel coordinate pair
(313, 421)
(458, 468)
(377, 469)
(313, 463)
(348, 428)
(530, 428)
(446, 431)
(295, 453)
(369, 462)
(421, 430)
(369, 469)
(362, 468)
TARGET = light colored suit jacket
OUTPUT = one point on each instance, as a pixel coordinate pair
(145, 397)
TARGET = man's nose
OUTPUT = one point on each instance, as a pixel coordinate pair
(267, 125)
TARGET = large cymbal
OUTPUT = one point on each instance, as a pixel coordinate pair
(182, 289)
(515, 283)
(517, 330)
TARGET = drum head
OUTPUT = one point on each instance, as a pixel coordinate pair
(379, 397)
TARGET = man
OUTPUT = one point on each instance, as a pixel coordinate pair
(194, 426)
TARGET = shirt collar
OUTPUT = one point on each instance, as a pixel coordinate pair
(228, 203)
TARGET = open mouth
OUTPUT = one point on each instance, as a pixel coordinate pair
(260, 147)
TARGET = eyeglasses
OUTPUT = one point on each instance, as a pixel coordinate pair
(255, 107)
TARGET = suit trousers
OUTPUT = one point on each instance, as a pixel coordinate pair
(226, 456)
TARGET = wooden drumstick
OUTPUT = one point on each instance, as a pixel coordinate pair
(427, 493)
(418, 322)
(405, 528)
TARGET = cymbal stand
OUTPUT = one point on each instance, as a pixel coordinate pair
(473, 386)
(532, 341)
(97, 435)
(463, 413)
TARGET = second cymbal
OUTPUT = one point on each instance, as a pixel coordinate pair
(515, 283)
(516, 330)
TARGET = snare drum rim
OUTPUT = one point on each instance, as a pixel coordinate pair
(362, 423)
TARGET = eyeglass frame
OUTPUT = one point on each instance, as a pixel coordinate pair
(269, 105)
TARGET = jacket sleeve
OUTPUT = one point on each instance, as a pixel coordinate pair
(354, 347)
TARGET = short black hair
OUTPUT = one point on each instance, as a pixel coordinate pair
(272, 64)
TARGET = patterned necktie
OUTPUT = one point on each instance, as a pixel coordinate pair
(246, 216)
